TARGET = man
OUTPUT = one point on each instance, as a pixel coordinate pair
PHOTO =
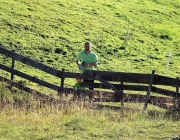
(88, 59)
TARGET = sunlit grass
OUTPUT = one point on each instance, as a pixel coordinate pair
(70, 122)
(53, 32)
(128, 36)
(34, 119)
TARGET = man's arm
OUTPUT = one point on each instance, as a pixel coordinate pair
(87, 64)
(91, 64)
(95, 59)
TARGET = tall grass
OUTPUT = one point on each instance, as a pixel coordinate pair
(37, 120)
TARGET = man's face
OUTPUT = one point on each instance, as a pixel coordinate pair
(87, 47)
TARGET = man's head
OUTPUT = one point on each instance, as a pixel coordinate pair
(87, 46)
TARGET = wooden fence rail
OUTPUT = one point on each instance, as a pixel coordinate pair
(29, 90)
(94, 85)
(133, 98)
(109, 76)
(103, 76)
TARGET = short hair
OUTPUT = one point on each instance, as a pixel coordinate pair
(88, 43)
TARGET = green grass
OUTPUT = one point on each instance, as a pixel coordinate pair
(53, 32)
(23, 117)
(128, 36)
(85, 124)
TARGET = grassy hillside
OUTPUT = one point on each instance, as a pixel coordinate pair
(127, 35)
(59, 28)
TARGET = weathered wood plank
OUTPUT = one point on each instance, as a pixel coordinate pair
(164, 80)
(135, 78)
(30, 78)
(149, 90)
(40, 66)
(30, 62)
(121, 76)
(106, 96)
(104, 82)
(177, 87)
(56, 88)
(12, 66)
(29, 90)
(106, 75)
(135, 88)
(167, 92)
(118, 86)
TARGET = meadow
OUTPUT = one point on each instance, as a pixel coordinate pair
(24, 117)
(128, 36)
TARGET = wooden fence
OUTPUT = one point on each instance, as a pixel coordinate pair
(134, 80)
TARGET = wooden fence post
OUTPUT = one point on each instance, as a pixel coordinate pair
(118, 92)
(177, 90)
(12, 66)
(62, 83)
(122, 89)
(149, 90)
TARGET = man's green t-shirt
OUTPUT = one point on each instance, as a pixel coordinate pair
(87, 58)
